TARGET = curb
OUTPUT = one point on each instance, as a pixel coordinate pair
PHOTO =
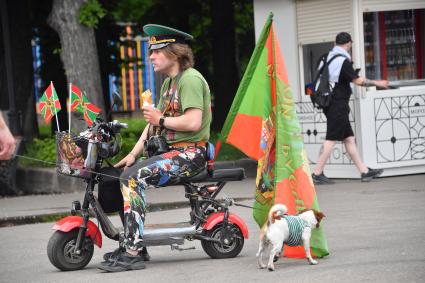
(53, 217)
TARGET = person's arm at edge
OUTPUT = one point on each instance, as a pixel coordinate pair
(362, 81)
(7, 141)
(138, 147)
(135, 152)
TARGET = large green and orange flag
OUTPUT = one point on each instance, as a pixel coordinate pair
(49, 103)
(262, 123)
(80, 102)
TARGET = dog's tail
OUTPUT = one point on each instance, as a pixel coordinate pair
(277, 212)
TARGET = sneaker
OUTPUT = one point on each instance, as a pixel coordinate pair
(321, 179)
(123, 262)
(110, 256)
(371, 174)
(145, 254)
(113, 254)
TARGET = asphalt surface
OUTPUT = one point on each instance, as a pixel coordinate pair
(375, 232)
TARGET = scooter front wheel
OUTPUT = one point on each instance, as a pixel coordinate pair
(233, 241)
(61, 251)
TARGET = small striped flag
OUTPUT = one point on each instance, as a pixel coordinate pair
(49, 103)
(80, 102)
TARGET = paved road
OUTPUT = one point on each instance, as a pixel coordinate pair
(375, 231)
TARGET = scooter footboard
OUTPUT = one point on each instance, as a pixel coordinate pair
(167, 234)
(74, 222)
(216, 218)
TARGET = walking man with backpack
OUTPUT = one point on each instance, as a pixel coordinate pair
(341, 74)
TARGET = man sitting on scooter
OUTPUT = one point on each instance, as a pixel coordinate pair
(175, 139)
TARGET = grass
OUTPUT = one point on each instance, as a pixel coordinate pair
(40, 149)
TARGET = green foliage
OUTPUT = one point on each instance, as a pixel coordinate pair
(56, 51)
(244, 11)
(44, 131)
(90, 13)
(135, 126)
(244, 29)
(40, 149)
(130, 10)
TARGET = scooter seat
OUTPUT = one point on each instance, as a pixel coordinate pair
(234, 174)
(217, 175)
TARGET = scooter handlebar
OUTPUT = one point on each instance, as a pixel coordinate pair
(116, 126)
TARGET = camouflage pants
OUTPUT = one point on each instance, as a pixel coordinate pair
(160, 170)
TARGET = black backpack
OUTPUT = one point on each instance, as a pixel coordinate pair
(322, 89)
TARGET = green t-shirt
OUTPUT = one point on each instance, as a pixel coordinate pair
(190, 91)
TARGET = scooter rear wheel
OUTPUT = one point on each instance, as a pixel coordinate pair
(228, 250)
(60, 251)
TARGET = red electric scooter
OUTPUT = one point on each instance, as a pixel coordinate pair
(71, 246)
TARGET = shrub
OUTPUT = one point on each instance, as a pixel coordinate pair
(42, 153)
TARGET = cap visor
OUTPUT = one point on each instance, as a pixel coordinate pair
(158, 46)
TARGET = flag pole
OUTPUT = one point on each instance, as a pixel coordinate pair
(69, 109)
(56, 112)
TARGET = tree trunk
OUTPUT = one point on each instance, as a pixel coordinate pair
(78, 52)
(224, 59)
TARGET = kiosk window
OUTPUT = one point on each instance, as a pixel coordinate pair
(311, 56)
(394, 44)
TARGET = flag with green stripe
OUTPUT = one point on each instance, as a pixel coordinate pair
(49, 103)
(262, 123)
(80, 102)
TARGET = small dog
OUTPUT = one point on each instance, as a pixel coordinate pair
(291, 230)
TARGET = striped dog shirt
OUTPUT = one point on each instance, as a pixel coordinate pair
(296, 227)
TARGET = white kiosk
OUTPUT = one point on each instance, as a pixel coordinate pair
(388, 43)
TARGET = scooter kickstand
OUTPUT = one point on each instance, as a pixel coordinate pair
(177, 247)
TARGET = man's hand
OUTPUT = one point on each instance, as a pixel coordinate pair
(151, 115)
(126, 161)
(381, 83)
(361, 81)
(7, 143)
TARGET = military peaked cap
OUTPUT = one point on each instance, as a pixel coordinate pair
(161, 36)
